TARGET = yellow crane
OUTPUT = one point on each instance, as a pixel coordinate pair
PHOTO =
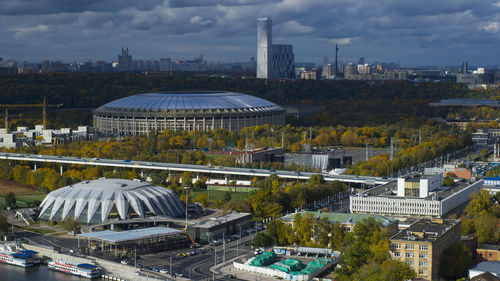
(43, 105)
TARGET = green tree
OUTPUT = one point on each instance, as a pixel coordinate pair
(262, 240)
(4, 225)
(324, 230)
(338, 234)
(448, 181)
(455, 262)
(70, 224)
(10, 199)
(202, 199)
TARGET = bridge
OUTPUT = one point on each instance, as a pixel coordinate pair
(197, 169)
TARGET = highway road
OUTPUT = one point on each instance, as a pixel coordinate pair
(202, 169)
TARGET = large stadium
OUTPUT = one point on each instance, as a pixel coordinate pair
(143, 113)
(96, 201)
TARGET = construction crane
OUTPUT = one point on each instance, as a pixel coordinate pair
(43, 105)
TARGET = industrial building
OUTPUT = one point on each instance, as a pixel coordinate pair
(219, 227)
(139, 241)
(23, 136)
(422, 244)
(97, 201)
(415, 195)
(144, 113)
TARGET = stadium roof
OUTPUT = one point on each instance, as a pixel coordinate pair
(161, 101)
(86, 199)
(129, 235)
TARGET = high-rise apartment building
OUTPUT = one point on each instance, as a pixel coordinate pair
(273, 61)
(264, 48)
(125, 61)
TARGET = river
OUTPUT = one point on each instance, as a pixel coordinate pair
(37, 273)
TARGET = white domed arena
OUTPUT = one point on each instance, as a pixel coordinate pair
(187, 111)
(96, 201)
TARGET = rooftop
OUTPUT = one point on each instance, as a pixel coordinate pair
(344, 218)
(160, 101)
(490, 266)
(466, 102)
(129, 235)
(390, 190)
(425, 230)
(221, 219)
(489, 247)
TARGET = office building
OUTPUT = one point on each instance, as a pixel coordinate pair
(273, 61)
(422, 244)
(125, 61)
(415, 195)
(283, 62)
(264, 48)
(220, 227)
(465, 67)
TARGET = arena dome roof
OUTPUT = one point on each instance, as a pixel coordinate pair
(162, 101)
(93, 201)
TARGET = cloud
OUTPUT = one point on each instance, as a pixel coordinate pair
(293, 27)
(341, 41)
(491, 27)
(380, 29)
(23, 31)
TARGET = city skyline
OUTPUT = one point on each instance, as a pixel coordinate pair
(423, 33)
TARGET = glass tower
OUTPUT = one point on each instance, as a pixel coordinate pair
(264, 48)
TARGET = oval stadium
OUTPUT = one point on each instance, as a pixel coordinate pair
(96, 201)
(143, 113)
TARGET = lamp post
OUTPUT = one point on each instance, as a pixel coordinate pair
(186, 188)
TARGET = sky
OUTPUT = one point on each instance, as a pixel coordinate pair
(415, 33)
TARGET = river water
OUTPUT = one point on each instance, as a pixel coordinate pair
(37, 273)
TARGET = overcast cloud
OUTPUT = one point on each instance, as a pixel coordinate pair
(424, 32)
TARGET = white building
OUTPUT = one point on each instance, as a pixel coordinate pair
(414, 196)
(38, 136)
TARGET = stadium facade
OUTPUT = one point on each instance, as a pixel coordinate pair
(143, 113)
(96, 201)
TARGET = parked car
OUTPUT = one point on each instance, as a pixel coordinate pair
(155, 269)
(163, 270)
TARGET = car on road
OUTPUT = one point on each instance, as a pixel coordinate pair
(164, 270)
(235, 236)
(125, 262)
(155, 269)
(126, 160)
(148, 164)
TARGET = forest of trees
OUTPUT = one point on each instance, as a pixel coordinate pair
(351, 103)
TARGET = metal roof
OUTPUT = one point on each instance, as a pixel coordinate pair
(103, 194)
(490, 266)
(128, 235)
(187, 101)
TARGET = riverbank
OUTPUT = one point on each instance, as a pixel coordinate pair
(113, 269)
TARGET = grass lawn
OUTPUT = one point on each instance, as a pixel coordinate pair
(216, 195)
(25, 195)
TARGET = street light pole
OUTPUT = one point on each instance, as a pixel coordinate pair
(186, 188)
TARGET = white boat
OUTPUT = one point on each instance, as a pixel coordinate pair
(18, 259)
(83, 269)
(10, 255)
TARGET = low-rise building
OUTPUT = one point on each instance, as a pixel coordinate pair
(39, 136)
(416, 195)
(218, 227)
(489, 252)
(422, 244)
(492, 267)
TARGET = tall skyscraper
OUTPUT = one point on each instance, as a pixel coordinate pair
(273, 61)
(125, 61)
(264, 48)
(283, 62)
(465, 67)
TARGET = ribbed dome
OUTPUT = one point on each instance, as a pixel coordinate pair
(165, 101)
(93, 201)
